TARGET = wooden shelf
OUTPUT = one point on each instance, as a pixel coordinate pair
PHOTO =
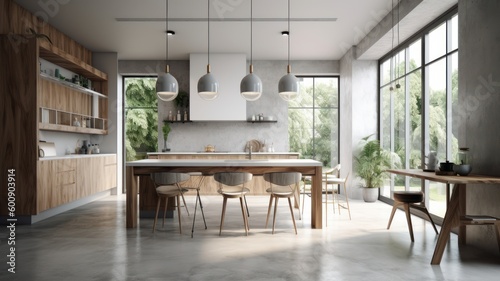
(263, 121)
(71, 129)
(65, 60)
(57, 120)
(71, 85)
(182, 121)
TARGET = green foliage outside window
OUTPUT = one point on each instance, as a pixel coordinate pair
(141, 117)
(313, 120)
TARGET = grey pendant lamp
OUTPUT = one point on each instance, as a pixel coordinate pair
(167, 87)
(208, 87)
(288, 86)
(251, 85)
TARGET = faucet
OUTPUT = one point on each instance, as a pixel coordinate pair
(249, 147)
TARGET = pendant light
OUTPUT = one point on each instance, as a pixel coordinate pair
(288, 86)
(208, 86)
(167, 87)
(251, 85)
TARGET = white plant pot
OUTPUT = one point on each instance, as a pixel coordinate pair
(370, 194)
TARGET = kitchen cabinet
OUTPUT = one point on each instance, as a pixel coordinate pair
(62, 181)
(24, 93)
(62, 103)
(56, 183)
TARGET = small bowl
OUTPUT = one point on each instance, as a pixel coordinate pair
(462, 170)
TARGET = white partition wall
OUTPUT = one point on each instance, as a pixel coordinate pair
(228, 69)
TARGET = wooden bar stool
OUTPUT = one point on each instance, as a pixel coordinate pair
(410, 199)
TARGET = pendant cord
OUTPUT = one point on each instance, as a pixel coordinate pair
(166, 25)
(392, 39)
(251, 32)
(288, 32)
(398, 42)
(208, 24)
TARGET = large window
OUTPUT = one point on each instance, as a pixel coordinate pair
(313, 120)
(141, 117)
(418, 88)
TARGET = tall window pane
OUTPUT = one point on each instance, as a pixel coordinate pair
(313, 120)
(436, 43)
(415, 55)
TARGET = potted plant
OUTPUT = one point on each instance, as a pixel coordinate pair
(166, 130)
(370, 165)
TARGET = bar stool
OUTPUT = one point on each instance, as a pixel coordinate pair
(410, 199)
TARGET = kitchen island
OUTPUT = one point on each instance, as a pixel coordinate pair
(143, 168)
(148, 199)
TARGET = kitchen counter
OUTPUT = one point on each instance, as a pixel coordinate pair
(223, 153)
(74, 156)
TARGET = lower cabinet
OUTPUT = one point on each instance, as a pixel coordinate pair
(62, 181)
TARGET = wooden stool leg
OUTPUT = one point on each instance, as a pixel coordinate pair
(275, 210)
(291, 212)
(164, 212)
(394, 208)
(157, 211)
(408, 218)
(269, 209)
(179, 213)
(222, 216)
(430, 218)
(244, 216)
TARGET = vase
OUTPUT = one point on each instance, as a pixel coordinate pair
(165, 148)
(370, 194)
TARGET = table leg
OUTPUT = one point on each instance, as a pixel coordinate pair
(131, 204)
(451, 219)
(316, 200)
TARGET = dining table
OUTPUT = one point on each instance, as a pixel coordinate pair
(455, 215)
(144, 167)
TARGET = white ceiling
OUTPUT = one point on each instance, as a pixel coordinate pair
(320, 29)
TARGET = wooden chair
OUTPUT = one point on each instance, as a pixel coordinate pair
(167, 186)
(410, 199)
(232, 185)
(282, 185)
(330, 183)
(336, 193)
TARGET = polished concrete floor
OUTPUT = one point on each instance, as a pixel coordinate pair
(92, 243)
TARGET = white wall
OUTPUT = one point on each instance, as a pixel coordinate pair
(113, 141)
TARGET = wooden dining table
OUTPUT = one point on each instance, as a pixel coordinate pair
(456, 207)
(145, 167)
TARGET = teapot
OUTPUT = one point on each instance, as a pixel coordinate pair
(433, 161)
(210, 148)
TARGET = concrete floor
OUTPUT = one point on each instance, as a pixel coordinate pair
(92, 243)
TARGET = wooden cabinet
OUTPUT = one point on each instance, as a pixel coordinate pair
(63, 103)
(56, 183)
(62, 181)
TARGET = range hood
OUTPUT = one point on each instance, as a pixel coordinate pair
(228, 69)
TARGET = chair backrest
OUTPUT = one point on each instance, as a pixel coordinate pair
(335, 171)
(232, 178)
(168, 178)
(290, 179)
(283, 178)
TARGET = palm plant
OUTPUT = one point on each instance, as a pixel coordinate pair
(372, 161)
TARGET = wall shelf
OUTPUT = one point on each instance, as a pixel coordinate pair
(71, 85)
(57, 120)
(182, 121)
(63, 59)
(262, 121)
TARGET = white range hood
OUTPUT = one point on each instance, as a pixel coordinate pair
(228, 69)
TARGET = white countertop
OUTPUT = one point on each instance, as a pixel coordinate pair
(222, 152)
(222, 162)
(74, 156)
